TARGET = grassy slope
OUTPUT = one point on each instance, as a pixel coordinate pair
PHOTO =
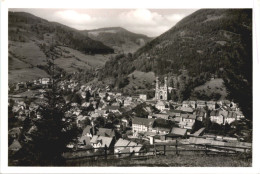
(72, 60)
(215, 85)
(140, 79)
(23, 58)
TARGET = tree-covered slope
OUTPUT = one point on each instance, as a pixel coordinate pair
(208, 42)
(24, 26)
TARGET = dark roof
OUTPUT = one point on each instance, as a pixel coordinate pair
(143, 121)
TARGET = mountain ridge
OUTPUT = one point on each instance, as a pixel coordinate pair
(119, 38)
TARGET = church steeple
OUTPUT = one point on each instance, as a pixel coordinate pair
(165, 83)
(161, 92)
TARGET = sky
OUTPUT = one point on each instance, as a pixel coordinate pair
(151, 22)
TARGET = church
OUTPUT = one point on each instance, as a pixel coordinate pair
(161, 92)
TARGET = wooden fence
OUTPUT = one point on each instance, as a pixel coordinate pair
(81, 156)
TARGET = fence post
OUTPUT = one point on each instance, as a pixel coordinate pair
(106, 152)
(164, 149)
(154, 149)
(206, 149)
(176, 147)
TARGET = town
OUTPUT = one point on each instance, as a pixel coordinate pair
(125, 124)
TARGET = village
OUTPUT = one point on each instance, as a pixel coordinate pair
(125, 124)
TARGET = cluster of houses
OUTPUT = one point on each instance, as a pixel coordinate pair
(100, 138)
(90, 103)
(40, 83)
(186, 115)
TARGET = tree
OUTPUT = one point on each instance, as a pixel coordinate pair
(88, 95)
(48, 142)
(100, 121)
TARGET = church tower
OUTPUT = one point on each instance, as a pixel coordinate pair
(161, 92)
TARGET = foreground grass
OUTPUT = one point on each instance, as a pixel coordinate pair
(198, 160)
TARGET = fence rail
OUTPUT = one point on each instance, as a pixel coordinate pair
(153, 150)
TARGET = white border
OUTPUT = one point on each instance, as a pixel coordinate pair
(127, 4)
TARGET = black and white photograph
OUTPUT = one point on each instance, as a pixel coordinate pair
(129, 87)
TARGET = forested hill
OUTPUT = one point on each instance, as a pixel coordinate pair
(118, 38)
(25, 27)
(207, 42)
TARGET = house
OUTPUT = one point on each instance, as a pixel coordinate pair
(216, 117)
(88, 131)
(211, 105)
(141, 125)
(162, 115)
(100, 112)
(226, 103)
(162, 105)
(201, 104)
(186, 109)
(240, 115)
(193, 104)
(176, 132)
(231, 117)
(45, 81)
(106, 132)
(176, 113)
(112, 109)
(15, 146)
(200, 113)
(102, 95)
(148, 109)
(120, 145)
(234, 106)
(143, 97)
(187, 121)
(125, 122)
(161, 130)
(185, 104)
(126, 146)
(20, 85)
(33, 106)
(101, 142)
(128, 101)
